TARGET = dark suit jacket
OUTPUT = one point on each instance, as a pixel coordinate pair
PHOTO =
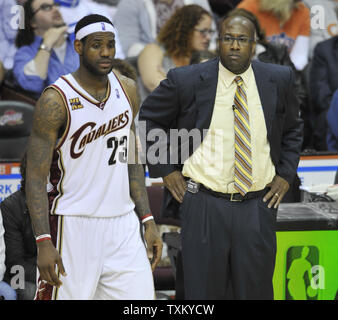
(323, 73)
(323, 83)
(185, 100)
(332, 121)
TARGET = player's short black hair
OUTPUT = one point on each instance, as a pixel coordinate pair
(92, 18)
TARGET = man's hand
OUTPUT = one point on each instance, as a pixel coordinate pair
(52, 36)
(47, 258)
(279, 187)
(154, 243)
(176, 184)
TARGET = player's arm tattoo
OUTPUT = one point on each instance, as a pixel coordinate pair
(138, 191)
(49, 117)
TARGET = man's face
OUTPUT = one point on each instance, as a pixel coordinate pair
(98, 52)
(46, 15)
(235, 55)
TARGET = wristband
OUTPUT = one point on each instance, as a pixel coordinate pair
(43, 237)
(147, 217)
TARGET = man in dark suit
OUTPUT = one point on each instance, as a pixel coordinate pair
(229, 184)
(323, 84)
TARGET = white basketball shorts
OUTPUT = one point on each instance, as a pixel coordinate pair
(104, 258)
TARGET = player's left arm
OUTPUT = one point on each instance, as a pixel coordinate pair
(138, 191)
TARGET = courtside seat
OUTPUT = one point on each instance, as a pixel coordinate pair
(10, 90)
(13, 94)
(16, 120)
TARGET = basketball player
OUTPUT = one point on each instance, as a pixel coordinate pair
(80, 141)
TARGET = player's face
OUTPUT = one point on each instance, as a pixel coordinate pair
(236, 54)
(99, 52)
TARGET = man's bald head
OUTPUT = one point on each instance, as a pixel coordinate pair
(237, 37)
(246, 22)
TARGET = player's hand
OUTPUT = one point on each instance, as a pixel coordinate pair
(176, 184)
(47, 258)
(278, 188)
(154, 243)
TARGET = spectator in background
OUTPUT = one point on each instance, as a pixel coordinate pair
(323, 11)
(74, 10)
(332, 120)
(187, 30)
(139, 21)
(8, 31)
(323, 83)
(6, 292)
(286, 22)
(45, 51)
(19, 238)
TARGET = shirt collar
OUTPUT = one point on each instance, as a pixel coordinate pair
(227, 77)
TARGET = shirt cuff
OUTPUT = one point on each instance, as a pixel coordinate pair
(30, 70)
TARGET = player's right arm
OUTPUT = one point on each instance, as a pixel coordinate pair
(49, 117)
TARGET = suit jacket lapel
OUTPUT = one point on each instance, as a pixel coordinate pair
(267, 92)
(205, 93)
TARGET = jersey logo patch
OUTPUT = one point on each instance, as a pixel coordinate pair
(117, 93)
(75, 103)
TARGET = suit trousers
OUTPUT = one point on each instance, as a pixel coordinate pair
(228, 248)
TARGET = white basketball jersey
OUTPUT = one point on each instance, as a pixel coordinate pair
(89, 173)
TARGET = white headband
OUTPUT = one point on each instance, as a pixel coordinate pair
(94, 27)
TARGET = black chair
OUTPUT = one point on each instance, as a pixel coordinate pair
(16, 120)
(167, 278)
(10, 90)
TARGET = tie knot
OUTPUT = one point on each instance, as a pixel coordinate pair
(239, 80)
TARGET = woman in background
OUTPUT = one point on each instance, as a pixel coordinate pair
(187, 30)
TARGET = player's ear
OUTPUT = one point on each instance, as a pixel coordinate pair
(78, 46)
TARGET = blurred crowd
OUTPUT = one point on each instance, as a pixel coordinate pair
(153, 36)
(156, 35)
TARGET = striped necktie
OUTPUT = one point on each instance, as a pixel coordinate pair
(243, 164)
